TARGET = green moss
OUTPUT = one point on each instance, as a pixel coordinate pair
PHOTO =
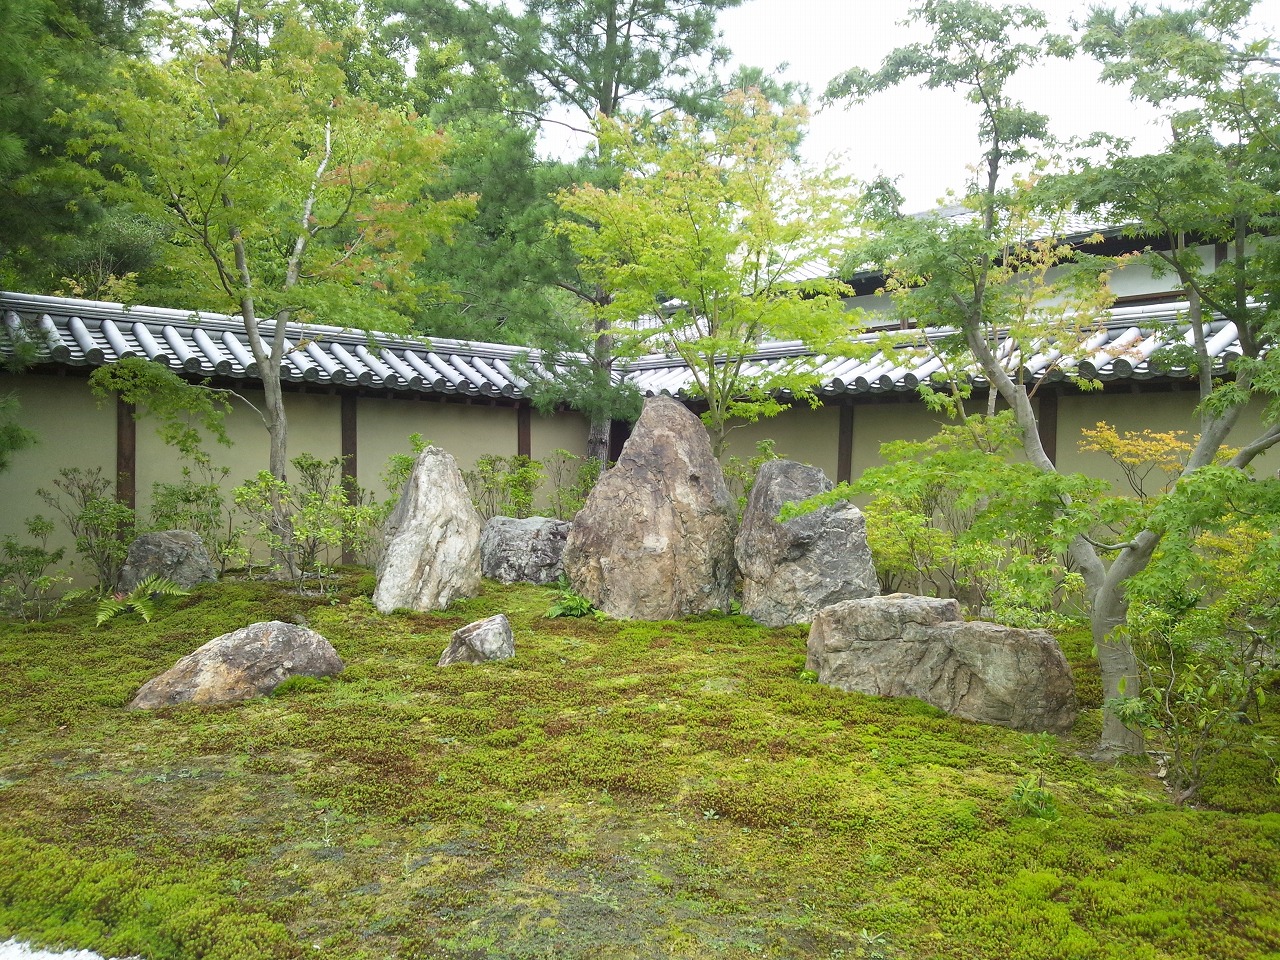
(618, 789)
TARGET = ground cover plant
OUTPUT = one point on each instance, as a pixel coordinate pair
(618, 789)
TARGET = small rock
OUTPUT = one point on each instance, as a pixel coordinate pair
(484, 640)
(245, 663)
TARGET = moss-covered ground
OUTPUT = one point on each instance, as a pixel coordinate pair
(617, 790)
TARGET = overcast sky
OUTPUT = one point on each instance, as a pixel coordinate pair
(926, 136)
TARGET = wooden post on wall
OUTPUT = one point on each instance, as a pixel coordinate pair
(844, 450)
(1048, 425)
(524, 430)
(350, 485)
(126, 454)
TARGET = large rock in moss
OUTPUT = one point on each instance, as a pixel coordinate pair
(480, 642)
(176, 555)
(792, 570)
(529, 550)
(907, 646)
(249, 662)
(432, 554)
(654, 541)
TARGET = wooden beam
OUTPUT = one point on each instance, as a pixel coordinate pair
(1048, 425)
(350, 485)
(844, 449)
(524, 430)
(126, 454)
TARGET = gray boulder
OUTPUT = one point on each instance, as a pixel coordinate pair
(905, 646)
(792, 570)
(654, 541)
(523, 551)
(245, 663)
(432, 553)
(176, 555)
(484, 640)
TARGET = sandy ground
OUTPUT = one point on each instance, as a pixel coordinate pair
(12, 950)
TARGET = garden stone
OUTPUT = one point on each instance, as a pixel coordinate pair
(523, 551)
(792, 570)
(654, 541)
(245, 663)
(176, 555)
(432, 554)
(484, 640)
(905, 646)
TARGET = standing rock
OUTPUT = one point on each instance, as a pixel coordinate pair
(245, 663)
(176, 555)
(523, 551)
(654, 541)
(792, 570)
(432, 553)
(484, 640)
(904, 646)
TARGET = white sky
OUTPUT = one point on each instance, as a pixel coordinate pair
(926, 136)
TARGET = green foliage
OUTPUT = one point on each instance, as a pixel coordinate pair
(28, 590)
(698, 243)
(197, 503)
(182, 410)
(140, 600)
(568, 603)
(740, 477)
(1030, 795)
(504, 486)
(102, 526)
(1205, 623)
(13, 436)
(570, 479)
(953, 515)
(321, 513)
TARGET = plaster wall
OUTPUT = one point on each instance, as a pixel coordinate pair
(799, 433)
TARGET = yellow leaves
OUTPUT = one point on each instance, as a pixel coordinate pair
(1139, 454)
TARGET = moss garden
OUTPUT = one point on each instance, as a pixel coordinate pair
(619, 789)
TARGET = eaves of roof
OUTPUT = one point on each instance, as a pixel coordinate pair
(89, 333)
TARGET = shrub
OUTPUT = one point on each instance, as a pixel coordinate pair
(102, 526)
(504, 486)
(570, 478)
(28, 590)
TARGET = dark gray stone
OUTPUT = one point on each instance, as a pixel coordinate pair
(523, 551)
(245, 663)
(176, 555)
(792, 570)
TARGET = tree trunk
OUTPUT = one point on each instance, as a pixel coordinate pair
(281, 525)
(598, 440)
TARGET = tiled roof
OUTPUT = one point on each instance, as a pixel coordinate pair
(87, 333)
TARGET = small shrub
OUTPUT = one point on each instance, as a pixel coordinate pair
(571, 479)
(103, 527)
(569, 604)
(504, 486)
(28, 590)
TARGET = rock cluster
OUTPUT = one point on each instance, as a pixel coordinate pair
(907, 646)
(792, 570)
(654, 541)
(432, 554)
(245, 663)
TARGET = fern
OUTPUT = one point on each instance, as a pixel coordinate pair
(141, 600)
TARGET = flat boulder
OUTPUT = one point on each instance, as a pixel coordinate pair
(791, 570)
(654, 541)
(432, 552)
(176, 555)
(249, 662)
(480, 642)
(907, 646)
(523, 551)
